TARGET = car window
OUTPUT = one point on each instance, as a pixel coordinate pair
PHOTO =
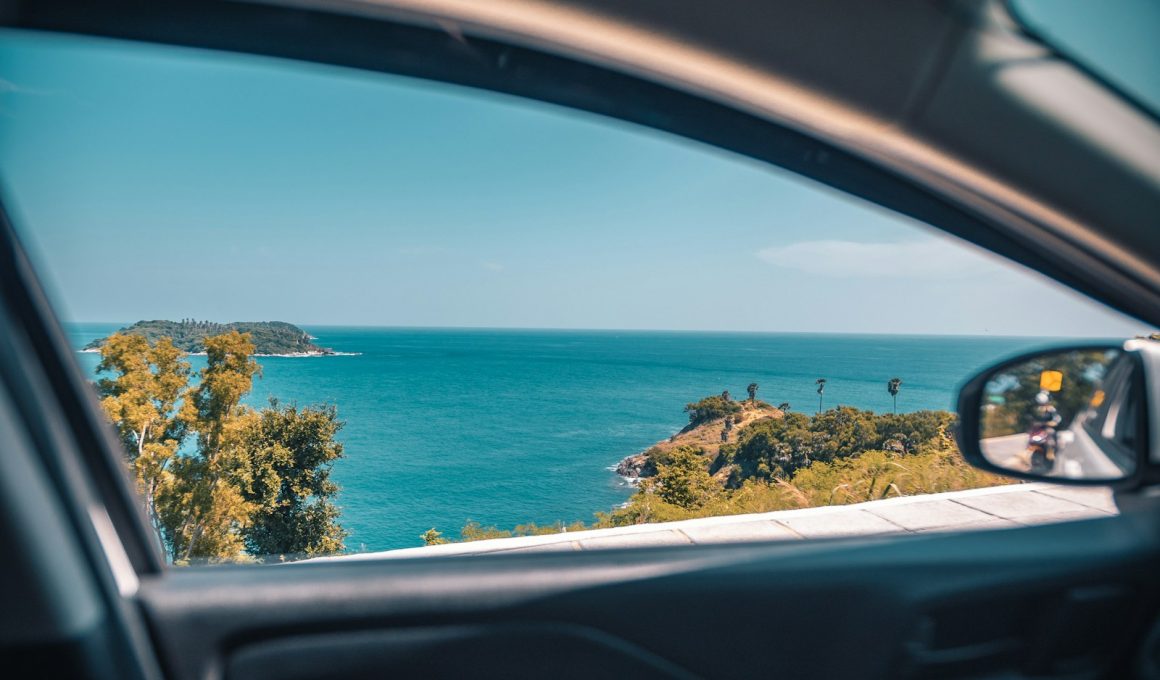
(1116, 40)
(1114, 425)
(1120, 425)
(330, 312)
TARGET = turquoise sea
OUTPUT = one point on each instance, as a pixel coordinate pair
(510, 426)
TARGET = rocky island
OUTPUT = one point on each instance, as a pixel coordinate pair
(270, 338)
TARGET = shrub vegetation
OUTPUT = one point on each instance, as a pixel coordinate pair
(841, 456)
(710, 408)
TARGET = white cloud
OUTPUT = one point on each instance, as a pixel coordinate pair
(9, 87)
(846, 259)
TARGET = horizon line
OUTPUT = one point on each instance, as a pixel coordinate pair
(306, 326)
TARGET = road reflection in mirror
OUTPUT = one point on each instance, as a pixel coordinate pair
(1063, 414)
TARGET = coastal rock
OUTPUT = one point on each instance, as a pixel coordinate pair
(636, 466)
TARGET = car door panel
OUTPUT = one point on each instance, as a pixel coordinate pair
(952, 605)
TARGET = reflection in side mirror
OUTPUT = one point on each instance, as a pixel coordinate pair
(1060, 415)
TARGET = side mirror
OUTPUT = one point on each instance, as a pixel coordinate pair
(1070, 416)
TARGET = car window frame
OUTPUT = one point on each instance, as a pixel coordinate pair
(442, 56)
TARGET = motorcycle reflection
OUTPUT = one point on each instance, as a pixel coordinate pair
(1067, 414)
(1041, 436)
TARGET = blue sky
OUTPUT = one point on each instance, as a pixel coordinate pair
(164, 183)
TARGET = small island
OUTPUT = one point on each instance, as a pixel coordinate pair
(270, 338)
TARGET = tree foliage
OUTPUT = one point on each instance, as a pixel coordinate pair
(141, 400)
(684, 480)
(710, 408)
(432, 537)
(205, 511)
(286, 477)
(474, 531)
(893, 387)
(778, 447)
(253, 482)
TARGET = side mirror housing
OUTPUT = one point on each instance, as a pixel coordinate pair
(1081, 415)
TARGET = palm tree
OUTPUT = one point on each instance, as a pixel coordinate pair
(783, 407)
(752, 389)
(725, 395)
(893, 387)
(821, 382)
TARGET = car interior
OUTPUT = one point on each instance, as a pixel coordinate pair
(879, 100)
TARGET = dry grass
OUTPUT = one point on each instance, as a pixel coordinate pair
(873, 475)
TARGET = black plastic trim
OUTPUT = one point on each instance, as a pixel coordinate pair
(83, 481)
(101, 460)
(1032, 32)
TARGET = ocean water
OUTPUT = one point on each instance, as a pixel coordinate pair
(510, 426)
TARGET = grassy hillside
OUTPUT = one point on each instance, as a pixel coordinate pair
(770, 459)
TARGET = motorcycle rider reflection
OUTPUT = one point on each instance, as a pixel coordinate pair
(1041, 435)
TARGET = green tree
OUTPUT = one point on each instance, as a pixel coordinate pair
(778, 447)
(257, 481)
(432, 537)
(141, 399)
(906, 432)
(285, 476)
(474, 531)
(684, 481)
(204, 512)
(752, 390)
(893, 387)
(228, 377)
(710, 408)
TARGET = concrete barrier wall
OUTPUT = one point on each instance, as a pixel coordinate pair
(977, 509)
